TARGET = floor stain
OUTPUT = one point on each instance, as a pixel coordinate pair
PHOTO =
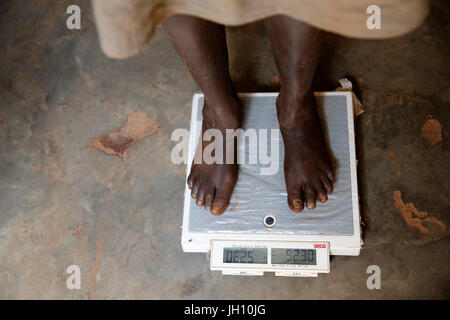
(188, 287)
(432, 131)
(137, 127)
(77, 232)
(414, 217)
(392, 155)
(92, 276)
(191, 286)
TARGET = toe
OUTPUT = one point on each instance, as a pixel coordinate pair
(200, 196)
(222, 196)
(190, 181)
(310, 197)
(294, 196)
(295, 202)
(326, 183)
(220, 202)
(218, 208)
(321, 193)
(208, 200)
(195, 188)
(330, 174)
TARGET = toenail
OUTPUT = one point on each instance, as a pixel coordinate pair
(193, 195)
(216, 208)
(323, 198)
(310, 205)
(200, 203)
(297, 204)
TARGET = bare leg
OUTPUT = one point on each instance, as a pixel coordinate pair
(202, 46)
(307, 168)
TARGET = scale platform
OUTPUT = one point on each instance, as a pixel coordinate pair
(258, 232)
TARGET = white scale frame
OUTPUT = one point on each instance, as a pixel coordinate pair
(346, 245)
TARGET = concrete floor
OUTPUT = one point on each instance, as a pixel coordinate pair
(62, 203)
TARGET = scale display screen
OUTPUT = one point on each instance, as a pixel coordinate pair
(245, 255)
(285, 258)
(294, 256)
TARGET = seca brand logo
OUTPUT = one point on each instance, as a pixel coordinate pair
(319, 245)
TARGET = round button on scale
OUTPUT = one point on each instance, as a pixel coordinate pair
(269, 221)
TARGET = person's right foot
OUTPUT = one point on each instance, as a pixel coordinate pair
(213, 184)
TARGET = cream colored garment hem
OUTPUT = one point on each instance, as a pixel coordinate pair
(126, 26)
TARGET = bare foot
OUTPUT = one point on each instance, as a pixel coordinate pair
(307, 167)
(213, 184)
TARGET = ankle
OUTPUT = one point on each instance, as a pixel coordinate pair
(222, 114)
(295, 95)
(294, 108)
(219, 92)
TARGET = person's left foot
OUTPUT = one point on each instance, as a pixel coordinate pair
(307, 167)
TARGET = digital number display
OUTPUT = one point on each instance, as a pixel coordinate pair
(294, 256)
(245, 255)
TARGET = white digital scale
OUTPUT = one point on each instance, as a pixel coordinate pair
(258, 232)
